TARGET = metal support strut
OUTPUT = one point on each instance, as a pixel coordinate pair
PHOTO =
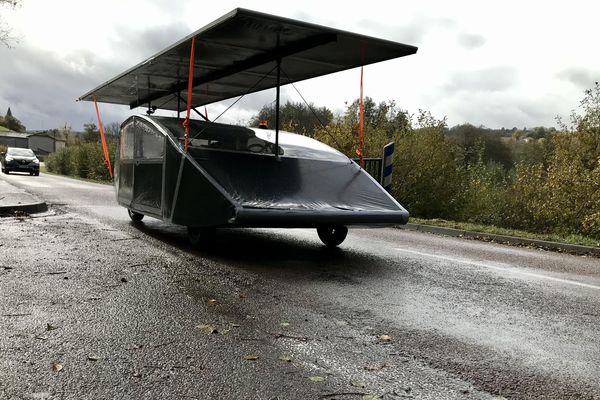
(277, 109)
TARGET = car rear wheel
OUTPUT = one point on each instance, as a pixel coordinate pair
(6, 171)
(332, 236)
(37, 173)
(135, 217)
(200, 236)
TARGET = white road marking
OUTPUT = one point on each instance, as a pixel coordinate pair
(82, 186)
(71, 183)
(33, 183)
(498, 268)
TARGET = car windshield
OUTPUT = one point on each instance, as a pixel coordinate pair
(20, 152)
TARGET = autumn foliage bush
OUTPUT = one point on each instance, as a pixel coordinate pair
(551, 184)
(81, 159)
(562, 194)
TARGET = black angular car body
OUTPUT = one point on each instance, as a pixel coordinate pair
(206, 175)
(18, 159)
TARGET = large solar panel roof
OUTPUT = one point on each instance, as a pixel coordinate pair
(237, 54)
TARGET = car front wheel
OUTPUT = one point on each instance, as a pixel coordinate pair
(332, 236)
(200, 236)
(135, 217)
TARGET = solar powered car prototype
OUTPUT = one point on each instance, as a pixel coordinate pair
(208, 175)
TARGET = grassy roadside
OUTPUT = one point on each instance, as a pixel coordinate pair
(491, 229)
(44, 170)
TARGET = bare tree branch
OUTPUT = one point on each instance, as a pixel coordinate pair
(6, 37)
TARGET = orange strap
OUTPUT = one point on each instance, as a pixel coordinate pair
(103, 139)
(361, 118)
(186, 123)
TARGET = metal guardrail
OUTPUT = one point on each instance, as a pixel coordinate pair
(373, 167)
(381, 168)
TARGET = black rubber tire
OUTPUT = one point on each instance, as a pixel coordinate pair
(37, 174)
(31, 173)
(200, 237)
(6, 171)
(135, 217)
(332, 236)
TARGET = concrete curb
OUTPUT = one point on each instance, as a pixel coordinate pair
(510, 240)
(14, 200)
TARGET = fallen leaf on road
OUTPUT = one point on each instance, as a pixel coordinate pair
(371, 397)
(212, 301)
(359, 384)
(385, 338)
(207, 328)
(124, 280)
(250, 357)
(40, 337)
(56, 367)
(235, 325)
(285, 358)
(93, 357)
(285, 324)
(316, 378)
(51, 327)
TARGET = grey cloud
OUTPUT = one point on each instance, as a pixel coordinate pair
(135, 45)
(491, 79)
(579, 76)
(499, 109)
(302, 16)
(41, 88)
(470, 40)
(411, 32)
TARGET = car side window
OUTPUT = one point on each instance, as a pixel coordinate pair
(126, 141)
(149, 142)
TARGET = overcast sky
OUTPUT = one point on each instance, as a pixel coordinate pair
(498, 64)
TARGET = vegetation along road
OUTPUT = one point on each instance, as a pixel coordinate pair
(92, 306)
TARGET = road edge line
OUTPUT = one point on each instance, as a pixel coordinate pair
(503, 239)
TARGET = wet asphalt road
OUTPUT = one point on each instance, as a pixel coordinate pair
(135, 312)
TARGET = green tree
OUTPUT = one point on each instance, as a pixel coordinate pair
(111, 130)
(426, 178)
(13, 124)
(295, 117)
(383, 122)
(480, 144)
(563, 192)
(385, 116)
(91, 133)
